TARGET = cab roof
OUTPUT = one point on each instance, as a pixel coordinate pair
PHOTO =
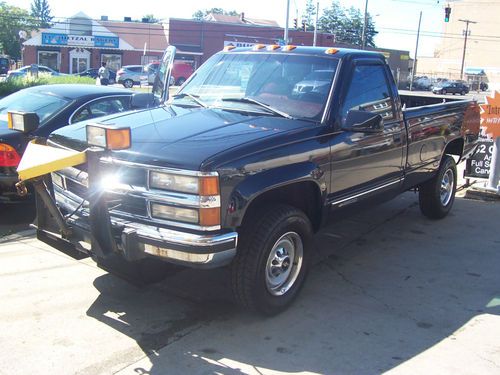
(313, 51)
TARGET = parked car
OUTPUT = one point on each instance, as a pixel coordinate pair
(130, 75)
(181, 71)
(229, 173)
(56, 106)
(4, 65)
(451, 87)
(21, 72)
(92, 73)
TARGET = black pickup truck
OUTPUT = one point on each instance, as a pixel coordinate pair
(252, 156)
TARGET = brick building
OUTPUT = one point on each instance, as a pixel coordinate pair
(80, 43)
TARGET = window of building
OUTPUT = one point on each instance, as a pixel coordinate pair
(113, 61)
(369, 91)
(51, 59)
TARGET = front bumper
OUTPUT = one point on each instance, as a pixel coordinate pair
(136, 240)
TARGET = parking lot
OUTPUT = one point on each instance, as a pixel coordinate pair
(390, 291)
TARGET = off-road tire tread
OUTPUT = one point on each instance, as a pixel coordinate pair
(428, 201)
(252, 238)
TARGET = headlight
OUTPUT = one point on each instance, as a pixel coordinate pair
(161, 211)
(204, 185)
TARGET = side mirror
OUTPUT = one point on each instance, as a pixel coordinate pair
(142, 100)
(25, 122)
(363, 122)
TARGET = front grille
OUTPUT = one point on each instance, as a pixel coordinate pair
(126, 175)
(126, 204)
(76, 189)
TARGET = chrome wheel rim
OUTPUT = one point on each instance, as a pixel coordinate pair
(447, 185)
(284, 263)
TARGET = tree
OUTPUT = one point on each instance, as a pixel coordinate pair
(201, 14)
(151, 18)
(40, 10)
(309, 15)
(333, 21)
(347, 25)
(12, 21)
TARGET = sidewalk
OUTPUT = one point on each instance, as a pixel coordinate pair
(390, 291)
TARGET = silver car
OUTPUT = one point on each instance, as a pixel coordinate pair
(130, 75)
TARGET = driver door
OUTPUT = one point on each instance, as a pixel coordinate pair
(363, 164)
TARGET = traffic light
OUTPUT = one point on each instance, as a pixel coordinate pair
(447, 13)
(295, 23)
(304, 25)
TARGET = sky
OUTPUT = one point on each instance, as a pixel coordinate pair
(396, 20)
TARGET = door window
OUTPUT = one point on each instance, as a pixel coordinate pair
(369, 91)
(101, 107)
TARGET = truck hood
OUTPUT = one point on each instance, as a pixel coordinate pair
(180, 137)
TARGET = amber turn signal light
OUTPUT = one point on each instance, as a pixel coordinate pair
(209, 185)
(209, 217)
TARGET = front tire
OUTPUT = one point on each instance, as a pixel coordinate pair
(437, 195)
(273, 256)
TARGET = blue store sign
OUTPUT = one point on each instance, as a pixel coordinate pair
(54, 39)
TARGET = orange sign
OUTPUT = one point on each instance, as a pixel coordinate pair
(490, 115)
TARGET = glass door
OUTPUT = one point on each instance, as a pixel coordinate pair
(79, 64)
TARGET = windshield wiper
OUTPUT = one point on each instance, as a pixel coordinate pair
(193, 97)
(260, 104)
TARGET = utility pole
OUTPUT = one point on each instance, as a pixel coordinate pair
(465, 45)
(316, 25)
(363, 35)
(414, 68)
(286, 21)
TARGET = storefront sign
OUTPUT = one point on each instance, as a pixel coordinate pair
(53, 39)
(478, 165)
(238, 44)
(106, 41)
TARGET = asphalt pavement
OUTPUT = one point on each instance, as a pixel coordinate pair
(390, 292)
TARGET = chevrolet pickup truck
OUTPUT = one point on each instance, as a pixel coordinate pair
(253, 155)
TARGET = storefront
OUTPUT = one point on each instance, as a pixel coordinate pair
(82, 43)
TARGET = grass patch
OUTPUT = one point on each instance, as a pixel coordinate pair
(10, 86)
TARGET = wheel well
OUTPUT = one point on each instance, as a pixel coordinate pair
(304, 196)
(455, 147)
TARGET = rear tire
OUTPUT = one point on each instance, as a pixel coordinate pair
(462, 93)
(273, 257)
(437, 195)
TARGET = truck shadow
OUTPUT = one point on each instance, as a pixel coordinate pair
(386, 286)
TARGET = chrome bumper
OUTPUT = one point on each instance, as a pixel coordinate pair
(139, 240)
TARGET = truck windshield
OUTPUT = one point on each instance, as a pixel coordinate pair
(291, 85)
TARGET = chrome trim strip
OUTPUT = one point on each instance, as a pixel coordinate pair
(355, 196)
(70, 121)
(173, 198)
(185, 172)
(330, 94)
(71, 202)
(219, 259)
